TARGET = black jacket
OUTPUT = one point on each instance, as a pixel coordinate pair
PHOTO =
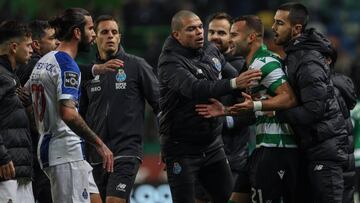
(189, 77)
(317, 117)
(114, 105)
(15, 140)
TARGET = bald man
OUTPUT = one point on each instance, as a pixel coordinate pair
(190, 74)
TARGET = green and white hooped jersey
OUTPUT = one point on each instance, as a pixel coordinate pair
(355, 117)
(270, 132)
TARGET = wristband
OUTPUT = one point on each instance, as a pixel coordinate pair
(233, 83)
(257, 105)
(229, 122)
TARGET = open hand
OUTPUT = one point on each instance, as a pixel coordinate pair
(210, 110)
(109, 66)
(247, 104)
(107, 156)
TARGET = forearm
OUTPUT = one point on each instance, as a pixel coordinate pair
(279, 102)
(80, 128)
(76, 123)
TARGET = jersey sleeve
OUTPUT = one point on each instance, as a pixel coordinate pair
(68, 83)
(272, 74)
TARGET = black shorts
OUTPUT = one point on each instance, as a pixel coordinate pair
(240, 178)
(274, 174)
(211, 169)
(326, 181)
(242, 184)
(121, 181)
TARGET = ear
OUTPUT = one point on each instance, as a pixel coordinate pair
(13, 47)
(35, 44)
(175, 34)
(77, 33)
(297, 29)
(251, 37)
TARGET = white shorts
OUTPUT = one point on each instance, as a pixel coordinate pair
(16, 191)
(71, 182)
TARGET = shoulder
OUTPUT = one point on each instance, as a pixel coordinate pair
(266, 62)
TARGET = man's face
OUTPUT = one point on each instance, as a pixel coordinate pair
(239, 39)
(282, 27)
(191, 34)
(108, 37)
(48, 42)
(88, 36)
(219, 34)
(23, 50)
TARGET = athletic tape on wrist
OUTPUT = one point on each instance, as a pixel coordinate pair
(257, 105)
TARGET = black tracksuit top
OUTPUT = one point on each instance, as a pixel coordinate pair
(114, 105)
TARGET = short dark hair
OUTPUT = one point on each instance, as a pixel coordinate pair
(104, 18)
(13, 29)
(176, 21)
(38, 28)
(298, 13)
(67, 21)
(220, 16)
(252, 22)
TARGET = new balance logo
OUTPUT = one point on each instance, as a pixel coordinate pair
(318, 167)
(281, 173)
(121, 187)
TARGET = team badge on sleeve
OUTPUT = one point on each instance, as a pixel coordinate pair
(71, 79)
(217, 64)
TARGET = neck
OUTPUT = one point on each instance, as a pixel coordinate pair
(12, 61)
(252, 51)
(70, 48)
(106, 55)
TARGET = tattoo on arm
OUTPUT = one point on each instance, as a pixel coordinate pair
(78, 125)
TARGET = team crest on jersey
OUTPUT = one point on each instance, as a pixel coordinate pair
(177, 168)
(217, 64)
(71, 79)
(85, 194)
(96, 79)
(120, 76)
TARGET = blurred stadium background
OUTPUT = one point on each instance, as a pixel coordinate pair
(145, 25)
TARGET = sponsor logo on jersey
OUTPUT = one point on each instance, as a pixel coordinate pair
(318, 167)
(71, 79)
(96, 79)
(95, 89)
(120, 85)
(281, 173)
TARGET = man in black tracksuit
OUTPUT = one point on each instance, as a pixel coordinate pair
(15, 141)
(189, 73)
(317, 120)
(346, 97)
(114, 105)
